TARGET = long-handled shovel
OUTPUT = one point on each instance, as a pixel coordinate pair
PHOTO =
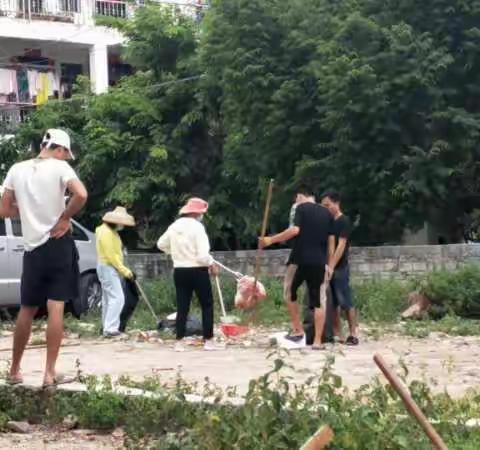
(147, 302)
(224, 318)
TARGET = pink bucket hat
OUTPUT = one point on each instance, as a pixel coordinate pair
(195, 206)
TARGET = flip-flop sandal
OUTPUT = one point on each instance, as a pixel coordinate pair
(59, 379)
(318, 347)
(352, 341)
(14, 381)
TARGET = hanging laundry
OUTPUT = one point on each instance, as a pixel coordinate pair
(23, 87)
(53, 83)
(42, 88)
(32, 82)
(8, 81)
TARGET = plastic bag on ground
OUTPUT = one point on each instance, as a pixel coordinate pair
(248, 294)
(281, 341)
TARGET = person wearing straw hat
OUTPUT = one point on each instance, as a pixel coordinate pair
(34, 190)
(187, 243)
(111, 268)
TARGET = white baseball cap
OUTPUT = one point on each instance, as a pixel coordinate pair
(58, 137)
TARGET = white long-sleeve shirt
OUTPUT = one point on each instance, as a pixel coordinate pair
(187, 242)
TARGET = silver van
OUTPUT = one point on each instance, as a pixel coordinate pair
(11, 260)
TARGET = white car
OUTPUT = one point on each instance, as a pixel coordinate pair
(11, 260)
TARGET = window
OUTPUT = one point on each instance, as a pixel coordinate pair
(17, 227)
(78, 234)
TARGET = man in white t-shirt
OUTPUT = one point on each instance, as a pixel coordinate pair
(35, 191)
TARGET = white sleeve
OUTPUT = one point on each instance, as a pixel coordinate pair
(8, 182)
(163, 243)
(203, 247)
(67, 174)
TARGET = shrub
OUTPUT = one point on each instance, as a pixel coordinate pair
(381, 300)
(458, 291)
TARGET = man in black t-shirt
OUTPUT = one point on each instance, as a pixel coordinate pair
(340, 282)
(313, 247)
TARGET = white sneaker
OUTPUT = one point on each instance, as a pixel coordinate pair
(212, 346)
(179, 347)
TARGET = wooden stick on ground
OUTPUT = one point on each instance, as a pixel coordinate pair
(410, 404)
(320, 439)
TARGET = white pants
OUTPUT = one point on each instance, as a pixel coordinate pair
(113, 297)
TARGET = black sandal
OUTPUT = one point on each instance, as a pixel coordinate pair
(352, 340)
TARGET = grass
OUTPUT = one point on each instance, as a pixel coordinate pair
(379, 304)
(381, 300)
(451, 325)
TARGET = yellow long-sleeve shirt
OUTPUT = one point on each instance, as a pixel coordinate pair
(109, 249)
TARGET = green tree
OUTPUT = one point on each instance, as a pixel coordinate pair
(377, 99)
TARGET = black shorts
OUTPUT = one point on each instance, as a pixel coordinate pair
(313, 275)
(50, 272)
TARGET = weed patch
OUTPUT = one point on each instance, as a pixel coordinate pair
(275, 414)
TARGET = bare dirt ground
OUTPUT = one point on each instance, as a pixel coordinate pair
(42, 438)
(445, 362)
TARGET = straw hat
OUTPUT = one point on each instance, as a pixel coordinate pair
(119, 216)
(195, 206)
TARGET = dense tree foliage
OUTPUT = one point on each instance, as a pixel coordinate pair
(378, 99)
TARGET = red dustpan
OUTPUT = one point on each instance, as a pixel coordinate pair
(228, 326)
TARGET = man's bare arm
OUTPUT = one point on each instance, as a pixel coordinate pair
(339, 251)
(78, 200)
(284, 236)
(75, 205)
(8, 206)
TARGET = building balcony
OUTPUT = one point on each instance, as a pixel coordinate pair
(56, 10)
(12, 116)
(83, 12)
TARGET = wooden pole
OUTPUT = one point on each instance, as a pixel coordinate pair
(319, 440)
(410, 404)
(266, 214)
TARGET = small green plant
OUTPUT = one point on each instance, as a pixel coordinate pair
(4, 419)
(450, 324)
(381, 300)
(101, 408)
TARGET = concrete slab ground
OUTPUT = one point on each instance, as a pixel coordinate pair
(451, 361)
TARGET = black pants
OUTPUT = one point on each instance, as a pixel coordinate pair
(313, 275)
(131, 301)
(188, 281)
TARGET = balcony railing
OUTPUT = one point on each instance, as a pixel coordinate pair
(111, 8)
(123, 9)
(58, 10)
(81, 11)
(12, 116)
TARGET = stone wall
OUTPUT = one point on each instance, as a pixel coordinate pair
(366, 262)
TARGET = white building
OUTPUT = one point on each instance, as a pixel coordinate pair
(45, 44)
